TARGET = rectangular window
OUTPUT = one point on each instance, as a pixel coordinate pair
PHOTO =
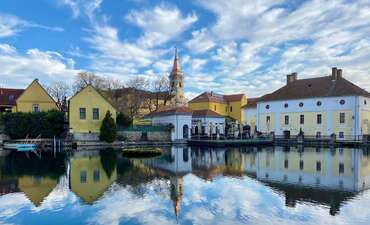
(286, 164)
(341, 134)
(83, 176)
(226, 109)
(318, 134)
(82, 113)
(301, 119)
(36, 108)
(341, 168)
(96, 175)
(318, 166)
(267, 119)
(319, 119)
(286, 120)
(95, 114)
(231, 109)
(342, 117)
(215, 107)
(301, 164)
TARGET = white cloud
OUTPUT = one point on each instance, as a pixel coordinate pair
(87, 7)
(160, 24)
(11, 25)
(201, 41)
(19, 69)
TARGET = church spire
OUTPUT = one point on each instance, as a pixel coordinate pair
(176, 68)
(177, 83)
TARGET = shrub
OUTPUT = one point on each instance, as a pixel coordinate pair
(47, 124)
(108, 129)
(124, 120)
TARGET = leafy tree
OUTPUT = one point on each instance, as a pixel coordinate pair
(108, 129)
(108, 159)
(47, 124)
(124, 120)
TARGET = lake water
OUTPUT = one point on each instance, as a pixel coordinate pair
(188, 185)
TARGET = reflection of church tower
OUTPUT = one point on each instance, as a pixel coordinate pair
(176, 193)
(177, 83)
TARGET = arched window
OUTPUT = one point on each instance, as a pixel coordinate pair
(185, 154)
(185, 131)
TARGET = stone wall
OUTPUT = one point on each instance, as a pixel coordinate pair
(145, 136)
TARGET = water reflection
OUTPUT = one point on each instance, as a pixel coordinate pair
(326, 177)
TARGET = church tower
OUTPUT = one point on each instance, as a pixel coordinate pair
(177, 83)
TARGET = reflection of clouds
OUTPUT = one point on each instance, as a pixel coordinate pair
(12, 204)
(225, 200)
(121, 204)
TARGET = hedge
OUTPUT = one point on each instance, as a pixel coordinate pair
(21, 125)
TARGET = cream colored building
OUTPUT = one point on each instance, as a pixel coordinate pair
(87, 110)
(318, 106)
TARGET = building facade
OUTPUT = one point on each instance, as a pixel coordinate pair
(319, 106)
(225, 105)
(87, 110)
(32, 99)
(179, 118)
(207, 122)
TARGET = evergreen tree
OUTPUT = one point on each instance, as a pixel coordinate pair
(108, 129)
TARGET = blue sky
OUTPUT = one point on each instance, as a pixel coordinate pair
(225, 46)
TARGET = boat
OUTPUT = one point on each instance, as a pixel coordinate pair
(21, 147)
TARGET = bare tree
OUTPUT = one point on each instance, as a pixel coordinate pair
(84, 79)
(161, 90)
(58, 90)
(137, 95)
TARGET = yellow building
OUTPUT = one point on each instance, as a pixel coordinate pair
(225, 105)
(87, 110)
(319, 106)
(34, 99)
(36, 188)
(88, 179)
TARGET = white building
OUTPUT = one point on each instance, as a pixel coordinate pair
(206, 121)
(317, 106)
(179, 118)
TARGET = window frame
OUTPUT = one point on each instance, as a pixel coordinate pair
(301, 119)
(82, 110)
(342, 118)
(36, 106)
(319, 119)
(286, 119)
(93, 114)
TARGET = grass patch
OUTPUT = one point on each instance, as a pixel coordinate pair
(142, 152)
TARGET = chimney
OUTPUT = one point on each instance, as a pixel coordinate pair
(339, 73)
(290, 78)
(334, 73)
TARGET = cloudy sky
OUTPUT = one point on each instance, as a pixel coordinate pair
(225, 46)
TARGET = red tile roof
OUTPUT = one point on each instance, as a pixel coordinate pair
(251, 103)
(213, 97)
(233, 98)
(205, 112)
(170, 110)
(8, 96)
(314, 88)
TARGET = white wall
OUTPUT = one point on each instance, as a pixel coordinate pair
(219, 121)
(178, 120)
(329, 105)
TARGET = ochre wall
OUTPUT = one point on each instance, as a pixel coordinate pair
(34, 94)
(88, 98)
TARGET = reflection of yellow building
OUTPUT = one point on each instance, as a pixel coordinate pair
(34, 99)
(87, 110)
(225, 105)
(36, 188)
(88, 179)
